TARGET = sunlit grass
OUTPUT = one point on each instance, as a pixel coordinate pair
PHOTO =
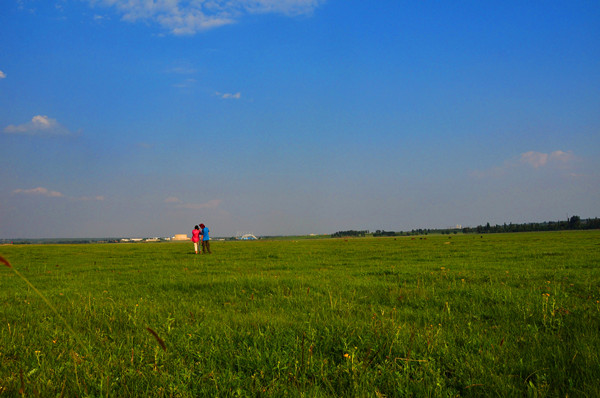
(503, 315)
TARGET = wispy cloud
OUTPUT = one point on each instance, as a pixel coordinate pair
(237, 95)
(185, 84)
(532, 159)
(39, 125)
(183, 17)
(539, 159)
(2, 75)
(286, 7)
(39, 191)
(183, 70)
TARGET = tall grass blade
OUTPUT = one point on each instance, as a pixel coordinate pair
(48, 303)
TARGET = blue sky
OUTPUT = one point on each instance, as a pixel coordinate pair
(142, 118)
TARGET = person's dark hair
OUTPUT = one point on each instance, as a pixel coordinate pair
(196, 227)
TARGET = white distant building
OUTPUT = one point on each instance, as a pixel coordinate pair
(180, 237)
(248, 237)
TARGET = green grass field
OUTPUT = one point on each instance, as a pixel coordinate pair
(466, 315)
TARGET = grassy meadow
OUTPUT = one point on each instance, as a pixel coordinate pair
(462, 315)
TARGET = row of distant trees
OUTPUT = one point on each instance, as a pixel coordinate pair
(572, 223)
(351, 233)
(379, 232)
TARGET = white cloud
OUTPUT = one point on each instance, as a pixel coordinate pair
(39, 191)
(536, 160)
(286, 7)
(237, 95)
(182, 17)
(185, 84)
(39, 125)
(562, 157)
(2, 75)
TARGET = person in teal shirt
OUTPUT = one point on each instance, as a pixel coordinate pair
(205, 239)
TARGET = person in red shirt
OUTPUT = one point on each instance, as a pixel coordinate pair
(196, 238)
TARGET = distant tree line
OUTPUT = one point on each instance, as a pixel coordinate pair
(420, 231)
(573, 223)
(351, 233)
(381, 232)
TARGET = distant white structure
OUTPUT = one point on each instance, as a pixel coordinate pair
(180, 237)
(155, 239)
(245, 235)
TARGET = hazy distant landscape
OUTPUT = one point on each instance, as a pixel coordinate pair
(573, 223)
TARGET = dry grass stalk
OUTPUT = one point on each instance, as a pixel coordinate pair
(5, 262)
(158, 339)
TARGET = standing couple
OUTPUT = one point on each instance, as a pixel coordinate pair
(201, 233)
